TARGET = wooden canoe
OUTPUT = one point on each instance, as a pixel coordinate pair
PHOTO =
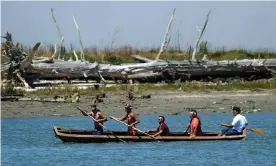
(86, 136)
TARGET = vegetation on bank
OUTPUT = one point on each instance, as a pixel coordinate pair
(185, 87)
(123, 54)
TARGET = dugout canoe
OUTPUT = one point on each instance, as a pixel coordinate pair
(86, 136)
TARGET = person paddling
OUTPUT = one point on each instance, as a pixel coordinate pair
(132, 119)
(237, 126)
(99, 116)
(163, 129)
(194, 127)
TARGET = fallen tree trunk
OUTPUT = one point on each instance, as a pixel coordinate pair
(146, 72)
(269, 63)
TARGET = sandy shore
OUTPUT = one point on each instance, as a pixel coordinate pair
(168, 102)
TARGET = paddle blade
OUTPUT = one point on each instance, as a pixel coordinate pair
(259, 131)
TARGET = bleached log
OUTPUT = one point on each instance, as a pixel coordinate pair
(144, 75)
(28, 60)
(140, 58)
(200, 33)
(205, 58)
(153, 69)
(45, 60)
(59, 32)
(79, 36)
(61, 69)
(76, 56)
(165, 41)
(22, 80)
(54, 55)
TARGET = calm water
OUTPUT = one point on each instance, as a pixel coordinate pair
(32, 142)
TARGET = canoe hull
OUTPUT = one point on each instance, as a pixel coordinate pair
(86, 136)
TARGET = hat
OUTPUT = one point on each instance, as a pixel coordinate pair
(128, 106)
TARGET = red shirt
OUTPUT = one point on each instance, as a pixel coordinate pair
(164, 128)
(195, 127)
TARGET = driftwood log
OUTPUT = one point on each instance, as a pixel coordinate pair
(27, 68)
(198, 70)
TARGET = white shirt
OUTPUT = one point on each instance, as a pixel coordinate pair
(239, 122)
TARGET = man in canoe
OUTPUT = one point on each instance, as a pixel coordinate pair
(98, 116)
(194, 127)
(131, 118)
(238, 124)
(163, 129)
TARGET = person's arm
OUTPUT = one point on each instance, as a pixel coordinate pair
(120, 119)
(136, 120)
(227, 125)
(87, 113)
(161, 129)
(234, 122)
(236, 119)
(123, 118)
(188, 128)
(158, 133)
(102, 117)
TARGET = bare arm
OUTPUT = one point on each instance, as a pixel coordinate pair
(102, 117)
(160, 131)
(120, 119)
(136, 119)
(90, 113)
(188, 128)
(86, 114)
(123, 118)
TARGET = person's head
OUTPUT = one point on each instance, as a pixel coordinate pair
(193, 113)
(161, 119)
(236, 110)
(94, 108)
(128, 108)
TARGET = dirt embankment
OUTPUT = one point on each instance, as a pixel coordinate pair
(166, 103)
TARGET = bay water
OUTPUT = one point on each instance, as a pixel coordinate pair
(31, 141)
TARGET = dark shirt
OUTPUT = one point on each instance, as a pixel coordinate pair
(164, 128)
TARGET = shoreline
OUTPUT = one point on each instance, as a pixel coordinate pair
(161, 102)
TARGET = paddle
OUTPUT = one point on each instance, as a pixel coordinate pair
(99, 123)
(134, 128)
(259, 131)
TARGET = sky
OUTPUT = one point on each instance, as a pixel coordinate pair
(248, 25)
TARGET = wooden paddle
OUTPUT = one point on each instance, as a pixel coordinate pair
(134, 128)
(85, 113)
(259, 131)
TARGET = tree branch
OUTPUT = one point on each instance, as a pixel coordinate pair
(82, 54)
(201, 31)
(163, 46)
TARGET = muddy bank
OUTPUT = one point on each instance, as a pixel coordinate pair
(169, 102)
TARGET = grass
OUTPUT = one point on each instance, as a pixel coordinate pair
(123, 54)
(185, 87)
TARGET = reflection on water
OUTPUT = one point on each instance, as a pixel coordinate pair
(32, 142)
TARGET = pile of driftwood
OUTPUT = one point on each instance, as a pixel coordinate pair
(28, 68)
